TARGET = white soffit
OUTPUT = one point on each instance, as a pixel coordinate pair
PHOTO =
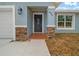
(56, 4)
(68, 10)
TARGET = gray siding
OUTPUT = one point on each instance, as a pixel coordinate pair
(45, 22)
(77, 23)
(51, 17)
(29, 22)
(22, 19)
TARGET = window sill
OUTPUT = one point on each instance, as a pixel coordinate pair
(65, 28)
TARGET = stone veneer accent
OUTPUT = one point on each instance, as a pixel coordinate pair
(21, 33)
(51, 32)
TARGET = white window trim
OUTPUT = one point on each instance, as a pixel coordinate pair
(51, 6)
(73, 22)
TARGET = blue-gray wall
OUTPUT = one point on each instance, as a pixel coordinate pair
(29, 22)
(45, 22)
(51, 17)
(77, 23)
(22, 19)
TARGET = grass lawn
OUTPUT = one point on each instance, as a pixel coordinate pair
(64, 45)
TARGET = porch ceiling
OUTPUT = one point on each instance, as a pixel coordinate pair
(43, 8)
(38, 9)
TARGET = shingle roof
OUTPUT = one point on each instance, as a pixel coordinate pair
(68, 6)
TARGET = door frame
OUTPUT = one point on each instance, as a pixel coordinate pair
(42, 22)
(13, 15)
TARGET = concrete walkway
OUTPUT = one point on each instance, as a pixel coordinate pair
(26, 48)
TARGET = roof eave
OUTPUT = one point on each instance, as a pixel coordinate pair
(67, 11)
(56, 4)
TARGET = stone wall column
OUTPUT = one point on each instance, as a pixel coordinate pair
(21, 34)
(51, 32)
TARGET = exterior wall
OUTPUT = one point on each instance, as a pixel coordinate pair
(45, 22)
(25, 19)
(29, 22)
(51, 16)
(51, 32)
(51, 23)
(77, 23)
(21, 34)
(65, 31)
(71, 31)
(22, 19)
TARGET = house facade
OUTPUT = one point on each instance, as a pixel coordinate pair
(30, 18)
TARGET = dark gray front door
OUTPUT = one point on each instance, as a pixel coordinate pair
(37, 23)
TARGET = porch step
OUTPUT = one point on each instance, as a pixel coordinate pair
(39, 36)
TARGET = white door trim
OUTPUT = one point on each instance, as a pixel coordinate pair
(13, 12)
(42, 22)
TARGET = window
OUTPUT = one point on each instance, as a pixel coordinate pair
(65, 21)
(61, 21)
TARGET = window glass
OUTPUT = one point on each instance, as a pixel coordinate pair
(68, 18)
(61, 24)
(60, 18)
(68, 24)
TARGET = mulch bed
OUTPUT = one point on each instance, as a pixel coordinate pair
(64, 45)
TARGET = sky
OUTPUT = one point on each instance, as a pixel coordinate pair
(69, 5)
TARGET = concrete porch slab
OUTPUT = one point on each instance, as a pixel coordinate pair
(26, 48)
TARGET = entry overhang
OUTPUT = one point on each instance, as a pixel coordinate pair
(56, 4)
